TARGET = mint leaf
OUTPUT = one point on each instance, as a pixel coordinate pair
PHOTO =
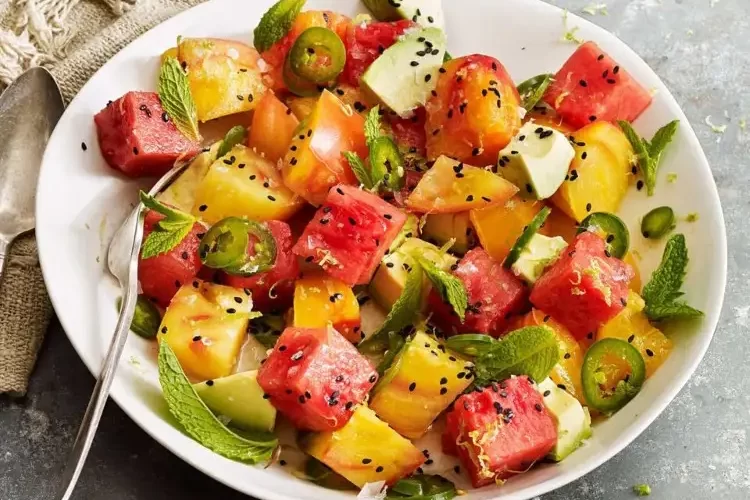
(372, 125)
(199, 422)
(275, 23)
(176, 99)
(450, 288)
(168, 232)
(359, 169)
(531, 351)
(663, 290)
(447, 57)
(649, 153)
(401, 315)
(236, 135)
(532, 90)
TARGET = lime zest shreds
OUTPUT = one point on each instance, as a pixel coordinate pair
(671, 177)
(692, 217)
(642, 490)
(743, 124)
(176, 99)
(200, 423)
(594, 9)
(168, 232)
(569, 34)
(236, 135)
(276, 23)
(662, 292)
(531, 351)
(716, 129)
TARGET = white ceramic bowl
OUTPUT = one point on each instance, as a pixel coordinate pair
(80, 202)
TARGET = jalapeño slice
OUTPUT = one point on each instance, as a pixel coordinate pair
(611, 228)
(528, 233)
(612, 374)
(386, 163)
(225, 244)
(532, 90)
(423, 487)
(657, 223)
(261, 254)
(471, 344)
(297, 85)
(318, 55)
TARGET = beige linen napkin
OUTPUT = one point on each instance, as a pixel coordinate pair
(72, 38)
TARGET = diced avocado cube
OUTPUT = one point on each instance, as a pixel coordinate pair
(405, 74)
(441, 228)
(426, 13)
(390, 278)
(536, 160)
(573, 420)
(423, 380)
(538, 254)
(239, 398)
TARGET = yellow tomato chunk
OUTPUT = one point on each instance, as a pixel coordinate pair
(499, 227)
(320, 300)
(272, 128)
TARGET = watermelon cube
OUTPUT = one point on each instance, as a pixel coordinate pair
(500, 431)
(137, 138)
(591, 86)
(585, 288)
(494, 295)
(272, 290)
(365, 43)
(163, 275)
(316, 378)
(350, 234)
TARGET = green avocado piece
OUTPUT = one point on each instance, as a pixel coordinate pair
(537, 255)
(573, 420)
(390, 278)
(441, 228)
(239, 398)
(536, 160)
(405, 74)
(426, 13)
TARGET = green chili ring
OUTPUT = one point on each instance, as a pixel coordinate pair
(385, 160)
(536, 223)
(609, 401)
(470, 344)
(615, 231)
(297, 85)
(146, 318)
(423, 487)
(318, 55)
(225, 244)
(657, 223)
(264, 256)
(532, 90)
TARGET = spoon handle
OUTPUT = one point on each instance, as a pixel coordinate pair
(4, 247)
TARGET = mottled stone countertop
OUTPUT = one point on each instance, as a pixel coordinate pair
(698, 448)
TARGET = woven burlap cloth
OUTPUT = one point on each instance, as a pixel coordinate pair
(72, 38)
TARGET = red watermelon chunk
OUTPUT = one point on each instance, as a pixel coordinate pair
(316, 377)
(272, 290)
(161, 276)
(585, 288)
(591, 86)
(135, 138)
(365, 42)
(494, 294)
(500, 431)
(350, 234)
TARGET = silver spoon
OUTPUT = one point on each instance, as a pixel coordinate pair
(29, 110)
(122, 260)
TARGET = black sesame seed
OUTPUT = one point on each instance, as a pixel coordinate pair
(616, 70)
(373, 378)
(135, 151)
(470, 197)
(457, 469)
(209, 383)
(412, 386)
(442, 70)
(349, 405)
(366, 461)
(567, 355)
(561, 386)
(650, 353)
(583, 83)
(538, 407)
(592, 118)
(443, 391)
(429, 461)
(389, 264)
(588, 207)
(301, 399)
(414, 63)
(197, 338)
(521, 138)
(611, 81)
(584, 155)
(252, 177)
(639, 185)
(271, 198)
(339, 191)
(379, 468)
(443, 381)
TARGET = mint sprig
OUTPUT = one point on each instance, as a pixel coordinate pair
(176, 99)
(359, 169)
(199, 422)
(531, 351)
(168, 232)
(235, 135)
(649, 153)
(450, 288)
(532, 90)
(662, 292)
(275, 23)
(372, 125)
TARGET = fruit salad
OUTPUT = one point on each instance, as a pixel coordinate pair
(393, 242)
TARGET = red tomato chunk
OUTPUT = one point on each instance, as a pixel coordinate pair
(585, 288)
(500, 431)
(136, 140)
(494, 294)
(350, 234)
(316, 377)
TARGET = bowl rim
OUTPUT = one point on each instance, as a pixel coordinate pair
(645, 419)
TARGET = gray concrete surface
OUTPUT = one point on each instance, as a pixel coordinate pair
(697, 449)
